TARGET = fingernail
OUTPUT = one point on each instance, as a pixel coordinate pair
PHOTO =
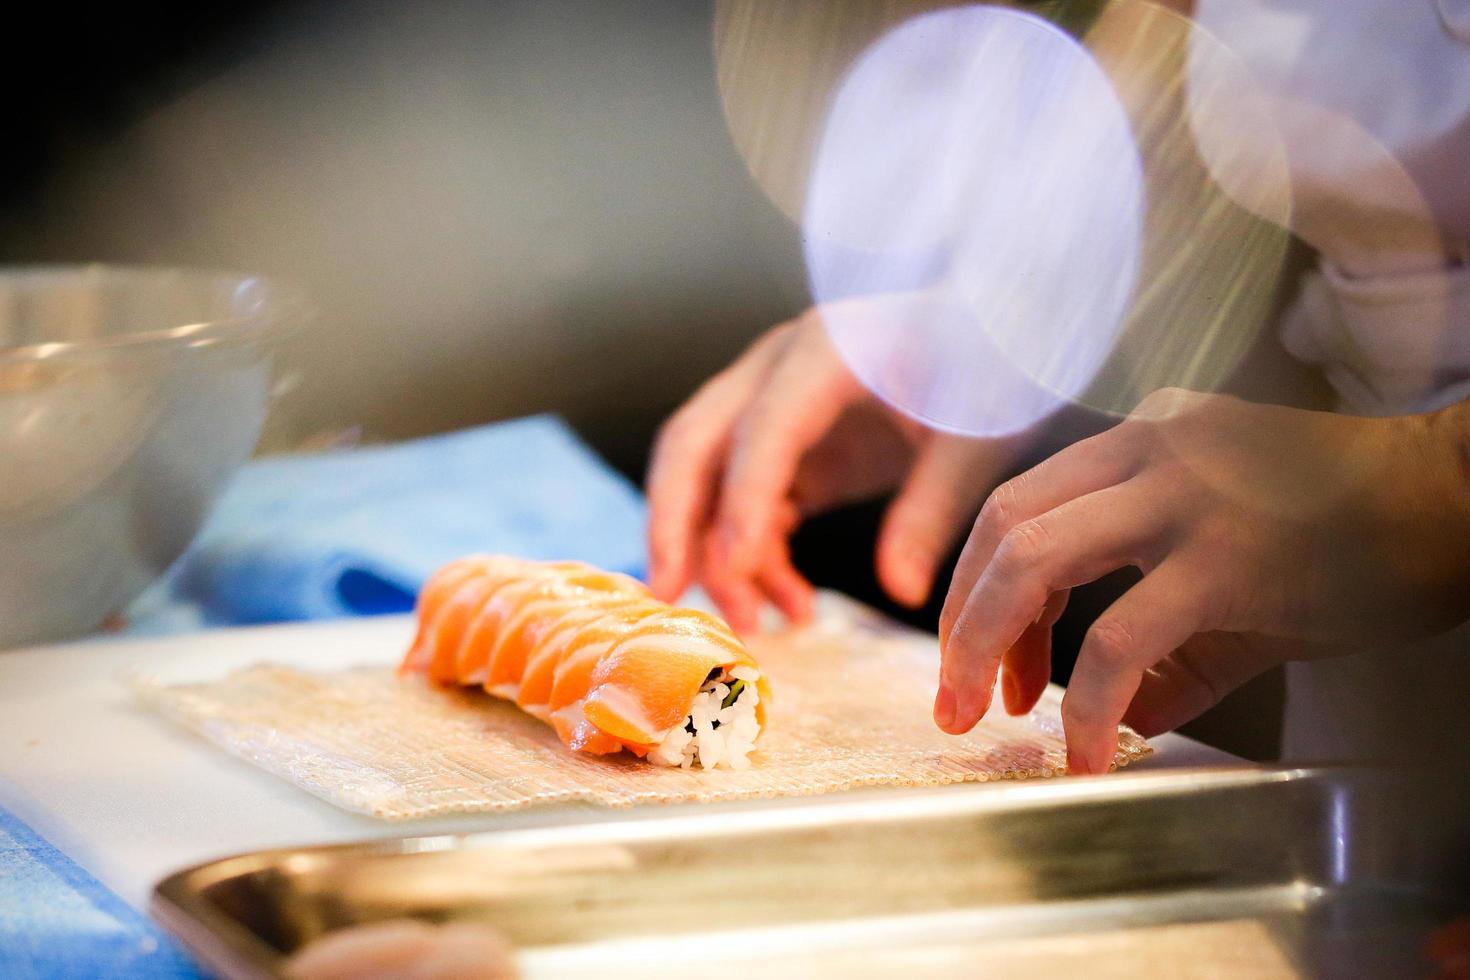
(944, 707)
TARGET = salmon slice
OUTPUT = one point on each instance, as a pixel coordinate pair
(585, 647)
(472, 656)
(646, 682)
(436, 591)
(457, 601)
(576, 660)
(453, 621)
(445, 583)
(493, 653)
(522, 632)
(546, 640)
(497, 575)
(580, 735)
(549, 648)
(505, 664)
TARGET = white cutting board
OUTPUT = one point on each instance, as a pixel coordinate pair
(131, 797)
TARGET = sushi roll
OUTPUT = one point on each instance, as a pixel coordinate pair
(595, 656)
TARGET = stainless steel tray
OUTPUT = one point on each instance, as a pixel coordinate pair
(1263, 872)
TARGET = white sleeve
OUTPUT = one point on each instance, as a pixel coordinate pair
(1389, 345)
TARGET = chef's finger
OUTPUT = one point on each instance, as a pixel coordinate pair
(688, 458)
(1025, 669)
(1145, 625)
(936, 503)
(1085, 467)
(1193, 679)
(1026, 666)
(788, 589)
(737, 597)
(805, 393)
(1078, 542)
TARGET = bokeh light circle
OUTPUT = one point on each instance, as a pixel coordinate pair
(973, 219)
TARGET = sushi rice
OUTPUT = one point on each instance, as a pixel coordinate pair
(715, 735)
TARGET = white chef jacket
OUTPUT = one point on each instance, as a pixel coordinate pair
(1371, 101)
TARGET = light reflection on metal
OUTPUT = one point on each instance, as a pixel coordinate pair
(1055, 877)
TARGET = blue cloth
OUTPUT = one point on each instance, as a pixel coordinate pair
(357, 531)
(58, 923)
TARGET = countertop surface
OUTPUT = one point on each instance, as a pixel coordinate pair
(131, 797)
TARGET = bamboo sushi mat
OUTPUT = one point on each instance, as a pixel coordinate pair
(850, 707)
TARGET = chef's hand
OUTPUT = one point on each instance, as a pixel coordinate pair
(785, 432)
(1263, 533)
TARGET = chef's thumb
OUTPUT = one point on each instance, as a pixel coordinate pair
(1193, 679)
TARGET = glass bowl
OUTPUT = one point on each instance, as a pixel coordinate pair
(128, 397)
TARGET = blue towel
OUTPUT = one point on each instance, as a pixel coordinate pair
(357, 531)
(58, 923)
